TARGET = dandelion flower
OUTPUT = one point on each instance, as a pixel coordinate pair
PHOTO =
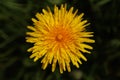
(59, 37)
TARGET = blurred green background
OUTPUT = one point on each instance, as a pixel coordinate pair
(102, 64)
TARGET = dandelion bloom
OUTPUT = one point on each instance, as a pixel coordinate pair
(59, 37)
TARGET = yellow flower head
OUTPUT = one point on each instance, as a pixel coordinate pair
(59, 37)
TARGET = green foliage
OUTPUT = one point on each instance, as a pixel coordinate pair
(102, 64)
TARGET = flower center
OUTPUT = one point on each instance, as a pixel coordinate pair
(59, 37)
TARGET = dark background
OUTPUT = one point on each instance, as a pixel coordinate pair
(102, 64)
